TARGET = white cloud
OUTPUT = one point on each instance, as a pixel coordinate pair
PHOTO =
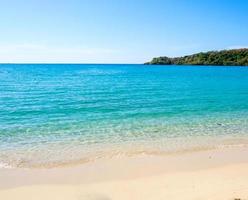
(43, 53)
(28, 53)
(238, 47)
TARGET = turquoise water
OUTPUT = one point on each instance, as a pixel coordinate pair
(63, 114)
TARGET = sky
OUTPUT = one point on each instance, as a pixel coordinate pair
(117, 31)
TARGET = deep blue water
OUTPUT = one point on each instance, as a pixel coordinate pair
(57, 114)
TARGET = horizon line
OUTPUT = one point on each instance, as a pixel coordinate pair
(55, 63)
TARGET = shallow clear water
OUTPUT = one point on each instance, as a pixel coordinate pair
(61, 114)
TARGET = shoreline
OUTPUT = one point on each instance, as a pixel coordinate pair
(137, 172)
(111, 152)
(160, 163)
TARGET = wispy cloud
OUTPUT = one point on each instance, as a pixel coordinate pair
(238, 47)
(49, 53)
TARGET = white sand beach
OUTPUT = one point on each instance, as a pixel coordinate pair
(219, 174)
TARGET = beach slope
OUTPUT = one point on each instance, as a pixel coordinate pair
(213, 174)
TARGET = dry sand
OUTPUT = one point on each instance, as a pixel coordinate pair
(214, 174)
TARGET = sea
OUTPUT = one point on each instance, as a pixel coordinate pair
(64, 114)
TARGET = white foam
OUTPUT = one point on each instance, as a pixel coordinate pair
(4, 165)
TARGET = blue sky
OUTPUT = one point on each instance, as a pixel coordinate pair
(118, 31)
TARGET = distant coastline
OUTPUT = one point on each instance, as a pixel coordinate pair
(233, 57)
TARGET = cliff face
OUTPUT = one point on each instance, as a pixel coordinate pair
(234, 57)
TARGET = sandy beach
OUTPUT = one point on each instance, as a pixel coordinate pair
(212, 174)
(123, 100)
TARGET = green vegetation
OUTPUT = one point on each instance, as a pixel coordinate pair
(235, 57)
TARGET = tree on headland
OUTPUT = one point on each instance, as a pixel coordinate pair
(234, 57)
